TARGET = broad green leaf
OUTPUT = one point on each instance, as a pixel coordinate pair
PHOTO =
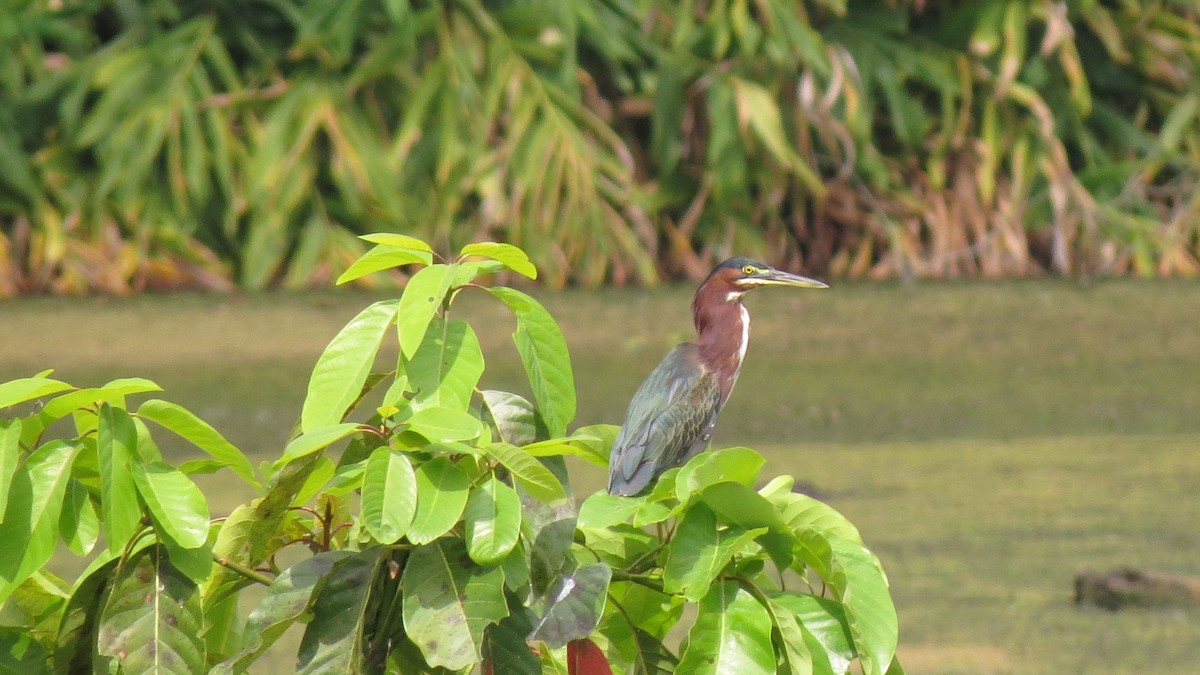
(448, 602)
(65, 404)
(78, 523)
(152, 619)
(636, 631)
(505, 651)
(446, 367)
(700, 550)
(739, 465)
(316, 439)
(440, 425)
(513, 258)
(602, 510)
(10, 454)
(29, 531)
(492, 521)
(550, 553)
(389, 495)
(442, 491)
(346, 479)
(28, 389)
(119, 509)
(816, 628)
(396, 240)
(131, 385)
(177, 505)
(21, 653)
(732, 634)
(383, 257)
(803, 513)
(469, 271)
(574, 605)
(187, 425)
(544, 354)
(74, 644)
(857, 579)
(514, 417)
(736, 504)
(579, 444)
(422, 298)
(322, 473)
(271, 512)
(532, 475)
(332, 642)
(195, 563)
(337, 379)
(284, 603)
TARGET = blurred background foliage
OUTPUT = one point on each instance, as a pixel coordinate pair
(150, 144)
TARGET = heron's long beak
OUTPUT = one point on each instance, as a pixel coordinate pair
(776, 277)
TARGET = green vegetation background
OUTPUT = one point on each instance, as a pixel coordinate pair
(160, 144)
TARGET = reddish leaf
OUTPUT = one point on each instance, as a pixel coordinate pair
(585, 658)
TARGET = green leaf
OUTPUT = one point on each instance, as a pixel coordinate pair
(448, 602)
(21, 653)
(383, 257)
(422, 298)
(78, 523)
(532, 475)
(27, 389)
(29, 531)
(513, 258)
(284, 603)
(736, 504)
(389, 495)
(131, 385)
(803, 513)
(446, 367)
(819, 624)
(857, 579)
(580, 444)
(76, 630)
(732, 634)
(442, 491)
(514, 417)
(700, 550)
(440, 425)
(116, 444)
(332, 642)
(152, 621)
(10, 454)
(602, 510)
(738, 465)
(341, 371)
(492, 522)
(187, 425)
(397, 241)
(637, 629)
(316, 439)
(176, 504)
(505, 651)
(544, 354)
(575, 603)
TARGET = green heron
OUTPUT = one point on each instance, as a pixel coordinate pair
(672, 415)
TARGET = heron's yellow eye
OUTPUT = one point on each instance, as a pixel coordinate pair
(748, 269)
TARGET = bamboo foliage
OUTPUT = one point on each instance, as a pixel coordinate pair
(158, 144)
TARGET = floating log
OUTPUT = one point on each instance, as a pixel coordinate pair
(1129, 587)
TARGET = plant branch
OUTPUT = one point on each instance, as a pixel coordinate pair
(244, 571)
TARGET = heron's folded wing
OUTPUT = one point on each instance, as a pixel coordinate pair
(670, 414)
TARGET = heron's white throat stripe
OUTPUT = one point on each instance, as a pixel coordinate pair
(745, 335)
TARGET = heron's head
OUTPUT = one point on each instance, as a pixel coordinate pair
(737, 275)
